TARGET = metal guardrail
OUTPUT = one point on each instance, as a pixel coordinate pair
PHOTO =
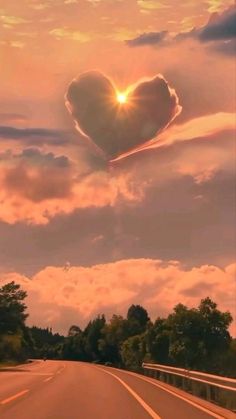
(214, 388)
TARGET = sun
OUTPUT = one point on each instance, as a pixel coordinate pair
(121, 98)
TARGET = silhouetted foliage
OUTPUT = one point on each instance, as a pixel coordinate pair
(137, 318)
(114, 334)
(196, 338)
(74, 348)
(12, 308)
(74, 330)
(46, 343)
(14, 338)
(93, 334)
(158, 341)
(133, 352)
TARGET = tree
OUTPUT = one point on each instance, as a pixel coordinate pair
(74, 330)
(158, 341)
(226, 362)
(133, 352)
(198, 336)
(74, 348)
(215, 332)
(186, 348)
(12, 308)
(14, 338)
(113, 335)
(137, 318)
(93, 334)
(46, 343)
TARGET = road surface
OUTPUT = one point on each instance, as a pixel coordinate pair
(73, 390)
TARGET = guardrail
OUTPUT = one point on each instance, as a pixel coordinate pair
(214, 388)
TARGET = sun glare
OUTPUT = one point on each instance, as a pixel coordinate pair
(122, 98)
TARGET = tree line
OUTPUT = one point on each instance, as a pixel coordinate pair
(194, 338)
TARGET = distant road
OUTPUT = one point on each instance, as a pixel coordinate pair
(73, 390)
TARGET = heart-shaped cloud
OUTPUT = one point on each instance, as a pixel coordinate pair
(118, 123)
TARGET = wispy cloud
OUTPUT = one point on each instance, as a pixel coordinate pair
(70, 34)
(215, 6)
(34, 135)
(12, 20)
(149, 5)
(6, 117)
(13, 44)
(219, 28)
(201, 127)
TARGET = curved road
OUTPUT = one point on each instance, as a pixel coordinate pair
(74, 390)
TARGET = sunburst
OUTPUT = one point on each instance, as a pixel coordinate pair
(121, 98)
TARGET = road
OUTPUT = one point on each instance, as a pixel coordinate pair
(73, 390)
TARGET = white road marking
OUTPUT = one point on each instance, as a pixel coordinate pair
(9, 399)
(135, 395)
(62, 369)
(198, 406)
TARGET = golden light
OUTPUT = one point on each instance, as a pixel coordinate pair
(122, 98)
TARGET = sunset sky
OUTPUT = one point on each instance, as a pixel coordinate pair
(106, 204)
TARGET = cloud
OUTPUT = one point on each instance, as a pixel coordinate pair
(225, 47)
(13, 44)
(150, 38)
(121, 33)
(11, 21)
(40, 6)
(115, 128)
(72, 35)
(148, 6)
(33, 136)
(222, 27)
(80, 293)
(216, 5)
(11, 117)
(187, 213)
(70, 1)
(162, 38)
(37, 186)
(172, 202)
(201, 127)
(37, 177)
(219, 28)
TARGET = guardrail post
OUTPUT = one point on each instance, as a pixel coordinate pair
(227, 399)
(196, 391)
(208, 392)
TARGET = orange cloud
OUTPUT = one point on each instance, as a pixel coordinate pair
(97, 190)
(38, 184)
(35, 187)
(201, 127)
(80, 293)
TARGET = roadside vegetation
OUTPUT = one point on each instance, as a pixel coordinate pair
(194, 338)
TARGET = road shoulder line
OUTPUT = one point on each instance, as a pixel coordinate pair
(180, 396)
(139, 399)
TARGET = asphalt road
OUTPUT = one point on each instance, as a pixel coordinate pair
(71, 390)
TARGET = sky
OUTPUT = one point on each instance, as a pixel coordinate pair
(117, 155)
